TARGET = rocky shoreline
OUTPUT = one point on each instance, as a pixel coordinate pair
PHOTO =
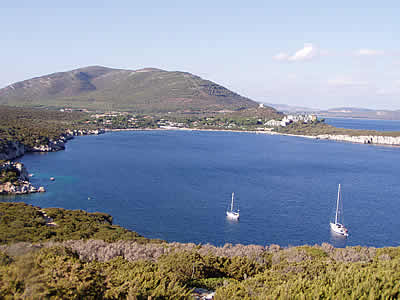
(14, 149)
(20, 184)
(362, 139)
(376, 140)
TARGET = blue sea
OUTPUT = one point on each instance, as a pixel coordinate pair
(177, 185)
(366, 124)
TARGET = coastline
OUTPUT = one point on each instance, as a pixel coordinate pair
(16, 149)
(363, 139)
(193, 136)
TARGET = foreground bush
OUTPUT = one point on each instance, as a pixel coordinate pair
(84, 256)
(300, 272)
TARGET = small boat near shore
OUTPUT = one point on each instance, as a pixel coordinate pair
(233, 214)
(337, 226)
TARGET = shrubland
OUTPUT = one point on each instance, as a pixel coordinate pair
(33, 127)
(20, 222)
(76, 262)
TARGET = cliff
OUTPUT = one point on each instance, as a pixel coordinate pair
(14, 149)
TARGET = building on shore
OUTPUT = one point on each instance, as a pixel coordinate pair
(292, 119)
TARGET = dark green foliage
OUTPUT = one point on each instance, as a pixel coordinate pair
(320, 280)
(20, 222)
(24, 223)
(190, 267)
(8, 176)
(55, 272)
(34, 127)
(141, 280)
(237, 272)
(5, 259)
(58, 272)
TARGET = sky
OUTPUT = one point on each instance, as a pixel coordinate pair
(304, 53)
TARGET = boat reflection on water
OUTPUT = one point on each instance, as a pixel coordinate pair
(232, 220)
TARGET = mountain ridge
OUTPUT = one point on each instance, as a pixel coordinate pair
(143, 90)
(340, 112)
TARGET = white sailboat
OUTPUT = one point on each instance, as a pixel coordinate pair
(232, 214)
(337, 227)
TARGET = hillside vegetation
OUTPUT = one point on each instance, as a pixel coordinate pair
(137, 268)
(20, 222)
(33, 127)
(106, 89)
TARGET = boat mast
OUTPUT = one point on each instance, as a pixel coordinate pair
(337, 205)
(232, 202)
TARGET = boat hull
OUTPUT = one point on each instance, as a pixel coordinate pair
(339, 229)
(232, 215)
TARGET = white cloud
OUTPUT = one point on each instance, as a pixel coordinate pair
(369, 52)
(308, 52)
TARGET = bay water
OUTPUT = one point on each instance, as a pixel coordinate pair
(364, 124)
(177, 185)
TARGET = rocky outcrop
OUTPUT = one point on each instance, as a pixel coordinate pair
(21, 184)
(78, 132)
(50, 147)
(17, 188)
(13, 149)
(17, 167)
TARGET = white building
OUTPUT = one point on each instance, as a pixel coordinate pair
(291, 119)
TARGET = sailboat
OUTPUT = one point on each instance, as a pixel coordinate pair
(338, 227)
(232, 214)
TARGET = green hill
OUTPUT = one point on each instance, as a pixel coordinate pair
(145, 90)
